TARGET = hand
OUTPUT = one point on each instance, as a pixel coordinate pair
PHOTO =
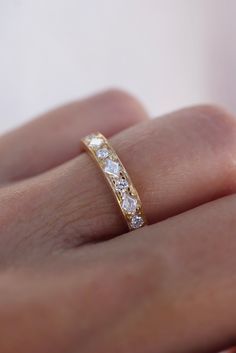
(168, 287)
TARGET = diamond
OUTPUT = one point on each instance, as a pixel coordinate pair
(129, 203)
(112, 168)
(103, 153)
(95, 142)
(122, 185)
(136, 222)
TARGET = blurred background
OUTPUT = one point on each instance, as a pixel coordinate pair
(169, 53)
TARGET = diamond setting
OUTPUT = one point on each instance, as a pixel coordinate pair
(117, 177)
(95, 142)
(112, 168)
(136, 222)
(129, 203)
(103, 153)
(122, 185)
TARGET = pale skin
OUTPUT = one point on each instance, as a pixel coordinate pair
(72, 279)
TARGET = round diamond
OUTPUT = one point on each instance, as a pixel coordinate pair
(136, 222)
(103, 153)
(122, 185)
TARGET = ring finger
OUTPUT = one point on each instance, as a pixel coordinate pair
(176, 163)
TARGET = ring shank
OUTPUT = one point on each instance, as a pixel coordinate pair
(118, 179)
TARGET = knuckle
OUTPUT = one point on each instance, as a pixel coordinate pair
(219, 130)
(216, 115)
(210, 109)
(123, 105)
(218, 125)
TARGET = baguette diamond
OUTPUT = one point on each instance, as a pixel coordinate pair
(129, 203)
(112, 168)
(95, 142)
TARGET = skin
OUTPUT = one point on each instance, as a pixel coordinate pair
(72, 279)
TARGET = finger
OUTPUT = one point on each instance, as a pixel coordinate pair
(173, 284)
(169, 288)
(54, 137)
(176, 163)
(190, 279)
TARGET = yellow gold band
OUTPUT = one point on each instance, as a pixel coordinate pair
(118, 179)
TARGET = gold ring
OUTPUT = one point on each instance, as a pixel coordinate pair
(118, 179)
